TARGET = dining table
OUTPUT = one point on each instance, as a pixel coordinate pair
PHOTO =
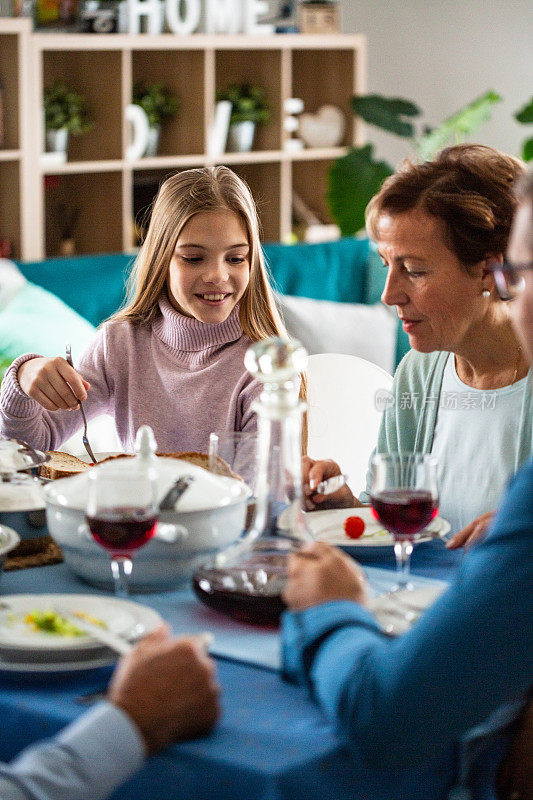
(272, 742)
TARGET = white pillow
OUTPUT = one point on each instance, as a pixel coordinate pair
(323, 326)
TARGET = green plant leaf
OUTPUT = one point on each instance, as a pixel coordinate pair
(158, 101)
(386, 112)
(352, 181)
(527, 150)
(461, 124)
(65, 108)
(248, 103)
(525, 114)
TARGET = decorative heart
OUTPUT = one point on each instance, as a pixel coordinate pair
(323, 129)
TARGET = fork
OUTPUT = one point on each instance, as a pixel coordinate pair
(84, 438)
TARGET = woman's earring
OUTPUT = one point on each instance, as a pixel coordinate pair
(486, 292)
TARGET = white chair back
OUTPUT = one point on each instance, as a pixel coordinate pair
(346, 395)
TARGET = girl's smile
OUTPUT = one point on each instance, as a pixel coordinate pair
(210, 269)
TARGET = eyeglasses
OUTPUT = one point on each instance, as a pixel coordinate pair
(509, 281)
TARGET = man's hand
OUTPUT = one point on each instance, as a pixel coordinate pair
(320, 573)
(53, 383)
(167, 687)
(315, 471)
(472, 533)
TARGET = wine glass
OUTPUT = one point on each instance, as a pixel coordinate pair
(238, 451)
(121, 513)
(404, 497)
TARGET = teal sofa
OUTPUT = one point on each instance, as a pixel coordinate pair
(346, 271)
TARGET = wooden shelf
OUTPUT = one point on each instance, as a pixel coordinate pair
(15, 181)
(10, 155)
(107, 187)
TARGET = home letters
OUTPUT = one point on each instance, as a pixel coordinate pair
(183, 16)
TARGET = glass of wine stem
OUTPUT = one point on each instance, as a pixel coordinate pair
(121, 514)
(404, 497)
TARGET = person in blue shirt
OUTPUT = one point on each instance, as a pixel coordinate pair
(163, 691)
(425, 713)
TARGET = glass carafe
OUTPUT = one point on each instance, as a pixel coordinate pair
(246, 581)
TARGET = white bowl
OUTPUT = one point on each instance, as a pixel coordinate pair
(210, 516)
(9, 539)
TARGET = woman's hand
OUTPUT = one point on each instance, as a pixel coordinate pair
(319, 573)
(472, 533)
(315, 471)
(53, 383)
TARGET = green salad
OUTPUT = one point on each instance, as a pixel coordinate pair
(52, 622)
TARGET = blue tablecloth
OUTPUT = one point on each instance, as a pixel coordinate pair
(271, 743)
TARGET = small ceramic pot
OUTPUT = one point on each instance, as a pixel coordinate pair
(241, 137)
(154, 132)
(57, 141)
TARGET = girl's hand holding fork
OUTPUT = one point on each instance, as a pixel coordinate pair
(53, 383)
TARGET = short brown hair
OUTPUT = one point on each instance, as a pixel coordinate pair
(524, 194)
(469, 187)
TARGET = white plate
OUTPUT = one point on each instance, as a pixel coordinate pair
(391, 608)
(328, 526)
(120, 616)
(43, 667)
(9, 539)
(100, 456)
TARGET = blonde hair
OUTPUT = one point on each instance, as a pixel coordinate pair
(180, 197)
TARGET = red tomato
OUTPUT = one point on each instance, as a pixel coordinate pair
(354, 527)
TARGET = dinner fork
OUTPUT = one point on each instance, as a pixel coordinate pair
(84, 438)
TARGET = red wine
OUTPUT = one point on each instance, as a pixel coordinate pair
(250, 591)
(121, 529)
(255, 609)
(404, 512)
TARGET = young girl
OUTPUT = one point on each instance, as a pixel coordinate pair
(172, 358)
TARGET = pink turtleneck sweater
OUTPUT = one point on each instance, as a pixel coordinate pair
(182, 377)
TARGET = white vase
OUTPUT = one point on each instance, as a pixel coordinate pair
(154, 132)
(241, 137)
(57, 141)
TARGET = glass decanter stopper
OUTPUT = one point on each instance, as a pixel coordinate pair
(246, 580)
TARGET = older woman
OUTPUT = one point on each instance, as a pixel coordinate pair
(424, 712)
(461, 393)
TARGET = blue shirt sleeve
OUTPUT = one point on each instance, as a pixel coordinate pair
(471, 652)
(86, 761)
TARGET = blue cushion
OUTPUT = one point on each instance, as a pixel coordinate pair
(326, 271)
(36, 321)
(94, 285)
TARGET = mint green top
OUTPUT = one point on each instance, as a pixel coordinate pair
(409, 420)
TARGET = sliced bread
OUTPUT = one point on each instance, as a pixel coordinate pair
(62, 465)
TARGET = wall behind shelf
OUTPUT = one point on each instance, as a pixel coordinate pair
(442, 55)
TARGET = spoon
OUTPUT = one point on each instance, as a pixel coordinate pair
(175, 492)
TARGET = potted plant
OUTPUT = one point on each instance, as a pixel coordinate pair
(356, 177)
(159, 103)
(249, 108)
(525, 117)
(65, 111)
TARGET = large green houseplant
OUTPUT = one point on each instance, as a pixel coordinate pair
(525, 117)
(356, 177)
